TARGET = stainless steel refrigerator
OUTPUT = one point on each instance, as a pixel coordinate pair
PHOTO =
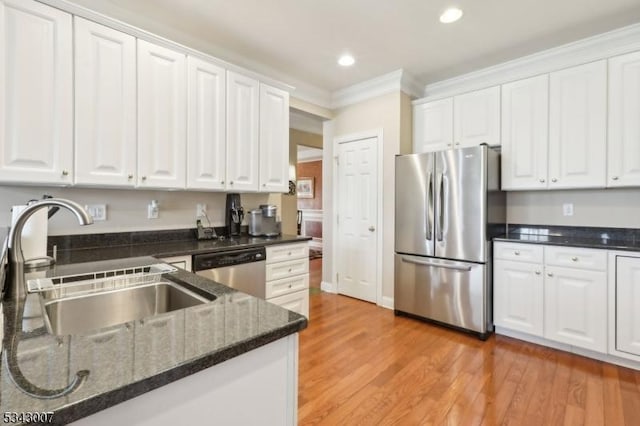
(448, 208)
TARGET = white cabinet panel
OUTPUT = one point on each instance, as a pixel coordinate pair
(286, 285)
(276, 271)
(518, 296)
(577, 126)
(296, 302)
(624, 121)
(433, 126)
(572, 257)
(525, 133)
(274, 139)
(519, 252)
(161, 117)
(477, 118)
(242, 132)
(105, 105)
(575, 303)
(206, 156)
(627, 305)
(36, 105)
(280, 252)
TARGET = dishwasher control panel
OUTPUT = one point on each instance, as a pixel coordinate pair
(228, 258)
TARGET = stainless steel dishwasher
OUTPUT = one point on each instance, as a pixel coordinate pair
(242, 269)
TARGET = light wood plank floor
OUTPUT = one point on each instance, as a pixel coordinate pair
(359, 364)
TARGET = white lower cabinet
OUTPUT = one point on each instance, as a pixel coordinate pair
(627, 304)
(287, 273)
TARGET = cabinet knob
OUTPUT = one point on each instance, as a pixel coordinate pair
(542, 181)
(221, 182)
(230, 182)
(289, 254)
(289, 269)
(615, 178)
(143, 178)
(130, 177)
(538, 272)
(517, 253)
(457, 143)
(448, 144)
(574, 258)
(264, 184)
(290, 285)
(65, 173)
(554, 180)
(549, 274)
(372, 228)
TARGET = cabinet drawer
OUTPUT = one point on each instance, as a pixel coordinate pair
(572, 257)
(518, 252)
(280, 252)
(296, 302)
(276, 271)
(287, 285)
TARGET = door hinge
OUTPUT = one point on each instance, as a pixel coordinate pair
(337, 160)
(337, 219)
(337, 278)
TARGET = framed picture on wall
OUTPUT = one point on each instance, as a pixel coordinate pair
(304, 187)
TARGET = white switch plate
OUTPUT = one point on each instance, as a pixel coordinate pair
(152, 210)
(97, 211)
(567, 209)
(201, 210)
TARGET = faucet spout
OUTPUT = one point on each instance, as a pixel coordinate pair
(16, 257)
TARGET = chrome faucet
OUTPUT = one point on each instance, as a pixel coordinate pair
(16, 257)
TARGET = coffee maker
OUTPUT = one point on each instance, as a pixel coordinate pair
(262, 221)
(234, 215)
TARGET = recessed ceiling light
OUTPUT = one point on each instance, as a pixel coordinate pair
(346, 60)
(450, 15)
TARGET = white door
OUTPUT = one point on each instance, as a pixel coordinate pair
(628, 305)
(274, 139)
(242, 132)
(36, 96)
(525, 133)
(206, 133)
(518, 296)
(162, 117)
(624, 121)
(575, 307)
(105, 105)
(476, 118)
(433, 126)
(357, 219)
(578, 126)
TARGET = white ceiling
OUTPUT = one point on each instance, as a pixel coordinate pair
(298, 41)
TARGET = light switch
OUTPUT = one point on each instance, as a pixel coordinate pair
(567, 209)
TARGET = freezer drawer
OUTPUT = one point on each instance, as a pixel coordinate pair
(453, 293)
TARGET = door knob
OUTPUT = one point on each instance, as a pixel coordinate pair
(372, 228)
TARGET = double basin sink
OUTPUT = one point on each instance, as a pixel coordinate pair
(85, 305)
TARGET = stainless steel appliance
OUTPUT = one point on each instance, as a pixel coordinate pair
(234, 214)
(242, 269)
(448, 208)
(262, 221)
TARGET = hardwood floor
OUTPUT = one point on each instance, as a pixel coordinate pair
(359, 364)
(315, 272)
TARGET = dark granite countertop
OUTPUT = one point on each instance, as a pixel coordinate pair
(123, 361)
(623, 239)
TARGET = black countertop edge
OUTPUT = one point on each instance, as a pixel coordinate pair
(109, 399)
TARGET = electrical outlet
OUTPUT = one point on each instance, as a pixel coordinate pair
(97, 211)
(153, 209)
(201, 210)
(567, 209)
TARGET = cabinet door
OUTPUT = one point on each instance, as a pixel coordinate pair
(624, 121)
(274, 139)
(525, 133)
(206, 157)
(577, 127)
(433, 126)
(628, 305)
(296, 302)
(575, 307)
(242, 132)
(476, 118)
(105, 105)
(518, 296)
(162, 117)
(36, 104)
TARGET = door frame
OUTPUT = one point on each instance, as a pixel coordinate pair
(337, 141)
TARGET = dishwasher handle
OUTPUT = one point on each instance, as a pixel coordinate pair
(226, 258)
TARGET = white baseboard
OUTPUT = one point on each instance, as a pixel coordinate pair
(328, 287)
(387, 302)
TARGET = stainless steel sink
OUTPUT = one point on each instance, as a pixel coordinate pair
(77, 314)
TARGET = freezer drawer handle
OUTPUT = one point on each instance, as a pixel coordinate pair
(437, 265)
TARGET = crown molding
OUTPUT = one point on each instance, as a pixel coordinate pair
(601, 46)
(395, 81)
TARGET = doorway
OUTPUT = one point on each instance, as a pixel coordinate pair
(309, 192)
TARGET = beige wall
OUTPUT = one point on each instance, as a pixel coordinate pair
(126, 209)
(618, 208)
(386, 113)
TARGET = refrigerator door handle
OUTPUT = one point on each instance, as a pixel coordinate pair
(429, 207)
(437, 265)
(440, 224)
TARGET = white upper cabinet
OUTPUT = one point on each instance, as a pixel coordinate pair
(162, 117)
(242, 132)
(525, 133)
(577, 126)
(105, 105)
(477, 118)
(624, 121)
(433, 126)
(206, 156)
(274, 139)
(36, 94)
